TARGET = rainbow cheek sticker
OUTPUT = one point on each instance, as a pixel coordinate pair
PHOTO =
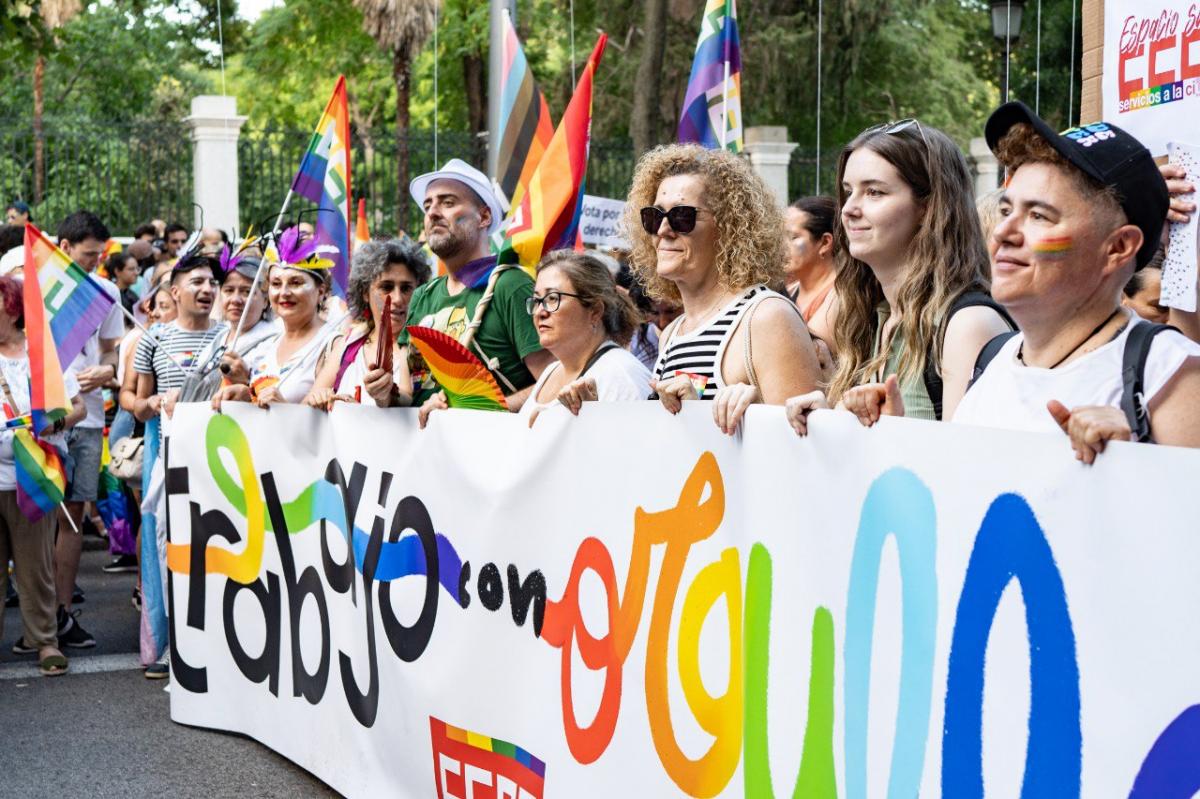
(1053, 249)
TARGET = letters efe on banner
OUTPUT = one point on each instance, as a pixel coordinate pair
(632, 604)
(1151, 80)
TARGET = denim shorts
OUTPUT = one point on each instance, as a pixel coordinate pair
(83, 445)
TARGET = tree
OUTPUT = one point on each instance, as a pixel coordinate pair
(55, 14)
(643, 123)
(400, 27)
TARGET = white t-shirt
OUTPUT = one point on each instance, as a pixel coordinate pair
(295, 376)
(16, 374)
(619, 376)
(1012, 396)
(112, 327)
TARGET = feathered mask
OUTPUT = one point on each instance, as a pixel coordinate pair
(299, 251)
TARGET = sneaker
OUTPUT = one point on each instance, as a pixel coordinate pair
(158, 671)
(71, 633)
(22, 648)
(77, 597)
(122, 563)
(136, 599)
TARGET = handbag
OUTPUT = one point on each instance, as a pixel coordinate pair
(126, 458)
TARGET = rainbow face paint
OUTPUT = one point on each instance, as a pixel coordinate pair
(1054, 249)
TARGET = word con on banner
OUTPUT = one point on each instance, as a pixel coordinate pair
(1009, 546)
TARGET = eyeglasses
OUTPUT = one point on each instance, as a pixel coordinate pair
(681, 218)
(550, 301)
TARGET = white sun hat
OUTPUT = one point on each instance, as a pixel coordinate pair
(469, 176)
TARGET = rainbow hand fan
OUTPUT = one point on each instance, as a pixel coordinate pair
(467, 383)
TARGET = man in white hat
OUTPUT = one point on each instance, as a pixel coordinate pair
(461, 213)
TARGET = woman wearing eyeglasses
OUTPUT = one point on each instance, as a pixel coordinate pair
(584, 322)
(912, 285)
(379, 269)
(707, 232)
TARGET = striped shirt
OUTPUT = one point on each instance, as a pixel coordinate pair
(699, 352)
(183, 345)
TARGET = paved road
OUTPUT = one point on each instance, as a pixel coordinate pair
(105, 731)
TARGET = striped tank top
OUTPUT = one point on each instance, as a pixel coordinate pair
(699, 352)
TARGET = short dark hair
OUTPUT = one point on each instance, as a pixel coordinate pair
(115, 262)
(11, 236)
(820, 211)
(80, 226)
(191, 262)
(21, 208)
(145, 230)
(174, 227)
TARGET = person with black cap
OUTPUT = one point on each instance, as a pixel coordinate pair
(1082, 211)
(18, 213)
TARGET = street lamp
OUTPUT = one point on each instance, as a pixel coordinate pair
(1006, 27)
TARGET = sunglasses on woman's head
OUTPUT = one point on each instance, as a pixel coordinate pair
(891, 128)
(681, 218)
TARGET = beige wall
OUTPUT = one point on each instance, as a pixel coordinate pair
(1093, 59)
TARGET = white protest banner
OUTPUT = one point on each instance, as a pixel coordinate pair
(599, 222)
(632, 604)
(1151, 85)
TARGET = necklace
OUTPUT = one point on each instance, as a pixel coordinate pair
(1073, 350)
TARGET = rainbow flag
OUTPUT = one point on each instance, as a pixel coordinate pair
(63, 306)
(362, 233)
(526, 129)
(712, 107)
(548, 215)
(324, 179)
(467, 383)
(41, 481)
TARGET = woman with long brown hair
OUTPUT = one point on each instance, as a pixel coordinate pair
(913, 308)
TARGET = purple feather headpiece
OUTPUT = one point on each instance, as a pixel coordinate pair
(300, 251)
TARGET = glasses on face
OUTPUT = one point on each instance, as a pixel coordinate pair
(550, 301)
(681, 218)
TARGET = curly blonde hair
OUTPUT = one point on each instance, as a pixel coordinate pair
(751, 246)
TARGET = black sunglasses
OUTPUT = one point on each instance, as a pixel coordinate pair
(681, 218)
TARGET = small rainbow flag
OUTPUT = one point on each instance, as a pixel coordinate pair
(547, 217)
(362, 234)
(63, 307)
(467, 383)
(41, 482)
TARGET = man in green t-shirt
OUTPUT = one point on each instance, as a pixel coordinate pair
(460, 214)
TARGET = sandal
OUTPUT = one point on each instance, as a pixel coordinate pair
(53, 665)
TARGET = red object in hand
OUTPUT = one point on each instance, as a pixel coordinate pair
(387, 340)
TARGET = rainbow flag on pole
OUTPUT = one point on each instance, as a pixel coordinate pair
(41, 481)
(526, 129)
(362, 234)
(324, 179)
(712, 107)
(63, 307)
(548, 216)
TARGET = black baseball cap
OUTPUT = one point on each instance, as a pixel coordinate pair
(1107, 155)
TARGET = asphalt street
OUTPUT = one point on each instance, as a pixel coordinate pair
(104, 730)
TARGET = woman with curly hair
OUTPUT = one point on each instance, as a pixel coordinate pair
(913, 307)
(378, 270)
(707, 233)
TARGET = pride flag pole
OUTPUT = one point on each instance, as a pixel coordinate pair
(153, 338)
(262, 262)
(12, 403)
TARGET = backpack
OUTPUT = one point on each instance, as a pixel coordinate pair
(968, 299)
(1133, 373)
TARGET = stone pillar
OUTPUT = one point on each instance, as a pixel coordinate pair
(770, 154)
(215, 125)
(985, 165)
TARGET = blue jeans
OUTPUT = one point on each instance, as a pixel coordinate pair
(121, 427)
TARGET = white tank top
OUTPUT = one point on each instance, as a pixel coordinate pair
(296, 375)
(1013, 396)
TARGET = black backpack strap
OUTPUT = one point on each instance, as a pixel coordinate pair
(1133, 377)
(933, 378)
(988, 354)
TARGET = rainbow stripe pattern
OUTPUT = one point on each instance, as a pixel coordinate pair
(524, 120)
(485, 743)
(1054, 247)
(41, 480)
(712, 107)
(467, 383)
(64, 306)
(362, 234)
(324, 179)
(547, 217)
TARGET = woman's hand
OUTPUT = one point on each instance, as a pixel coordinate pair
(323, 398)
(380, 385)
(1090, 427)
(674, 391)
(235, 393)
(573, 395)
(798, 409)
(1178, 184)
(873, 400)
(730, 404)
(235, 369)
(269, 395)
(435, 403)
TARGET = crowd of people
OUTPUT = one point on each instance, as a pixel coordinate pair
(1036, 308)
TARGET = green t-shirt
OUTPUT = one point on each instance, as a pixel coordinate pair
(507, 333)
